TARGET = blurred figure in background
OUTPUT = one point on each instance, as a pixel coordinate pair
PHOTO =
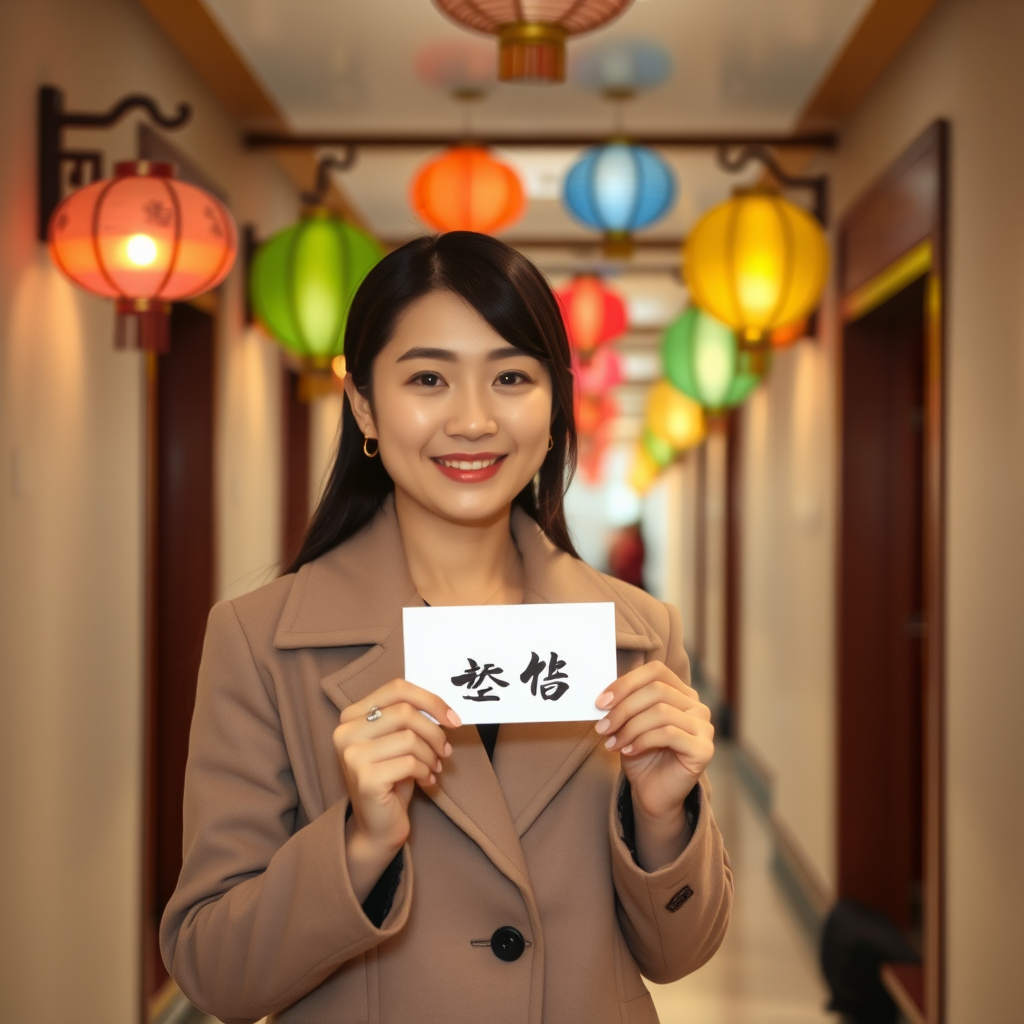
(626, 555)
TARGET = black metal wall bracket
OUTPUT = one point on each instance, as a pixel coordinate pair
(327, 163)
(735, 158)
(86, 165)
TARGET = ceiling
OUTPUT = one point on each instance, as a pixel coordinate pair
(743, 66)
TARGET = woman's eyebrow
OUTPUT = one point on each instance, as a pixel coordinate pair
(446, 355)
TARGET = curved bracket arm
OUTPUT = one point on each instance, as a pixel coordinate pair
(326, 164)
(86, 165)
(735, 158)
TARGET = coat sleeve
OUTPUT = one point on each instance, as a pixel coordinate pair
(263, 913)
(676, 917)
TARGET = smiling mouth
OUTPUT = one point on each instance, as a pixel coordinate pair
(465, 466)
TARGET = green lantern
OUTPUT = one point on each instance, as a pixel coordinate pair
(703, 358)
(303, 280)
(660, 450)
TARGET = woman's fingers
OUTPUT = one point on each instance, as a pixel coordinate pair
(384, 748)
(648, 696)
(381, 777)
(399, 691)
(639, 677)
(696, 749)
(394, 718)
(655, 718)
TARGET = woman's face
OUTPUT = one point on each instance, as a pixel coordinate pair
(461, 417)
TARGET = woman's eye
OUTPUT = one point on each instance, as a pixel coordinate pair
(428, 379)
(512, 377)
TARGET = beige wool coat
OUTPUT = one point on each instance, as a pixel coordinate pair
(264, 920)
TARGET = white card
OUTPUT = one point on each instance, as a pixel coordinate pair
(554, 659)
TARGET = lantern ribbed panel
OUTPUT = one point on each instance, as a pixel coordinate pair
(573, 16)
(467, 189)
(143, 237)
(619, 187)
(702, 358)
(303, 281)
(756, 262)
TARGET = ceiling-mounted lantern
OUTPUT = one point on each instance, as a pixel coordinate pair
(703, 358)
(532, 33)
(618, 189)
(756, 262)
(145, 240)
(302, 283)
(467, 189)
(593, 314)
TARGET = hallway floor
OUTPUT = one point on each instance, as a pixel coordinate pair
(766, 971)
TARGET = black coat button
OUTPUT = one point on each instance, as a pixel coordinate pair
(508, 943)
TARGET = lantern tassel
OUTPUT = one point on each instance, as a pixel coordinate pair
(143, 325)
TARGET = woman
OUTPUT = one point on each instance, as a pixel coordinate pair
(347, 858)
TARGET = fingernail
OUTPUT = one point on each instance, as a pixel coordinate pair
(628, 749)
(602, 725)
(447, 750)
(437, 767)
(431, 780)
(610, 742)
(605, 699)
(454, 718)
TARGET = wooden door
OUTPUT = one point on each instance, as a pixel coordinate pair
(891, 579)
(180, 589)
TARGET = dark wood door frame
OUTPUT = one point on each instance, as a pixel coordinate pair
(893, 235)
(733, 562)
(295, 449)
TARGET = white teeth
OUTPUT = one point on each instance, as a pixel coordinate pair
(465, 466)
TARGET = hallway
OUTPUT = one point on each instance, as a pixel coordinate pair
(766, 971)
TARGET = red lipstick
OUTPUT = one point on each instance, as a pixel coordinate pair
(459, 465)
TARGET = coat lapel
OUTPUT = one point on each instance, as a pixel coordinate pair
(353, 597)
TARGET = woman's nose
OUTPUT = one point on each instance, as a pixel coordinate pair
(472, 416)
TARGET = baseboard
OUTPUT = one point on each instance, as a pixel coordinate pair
(809, 897)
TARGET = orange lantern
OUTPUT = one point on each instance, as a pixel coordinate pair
(145, 240)
(593, 314)
(466, 189)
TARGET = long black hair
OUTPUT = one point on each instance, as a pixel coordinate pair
(508, 291)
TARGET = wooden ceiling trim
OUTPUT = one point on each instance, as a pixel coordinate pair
(201, 42)
(213, 57)
(883, 32)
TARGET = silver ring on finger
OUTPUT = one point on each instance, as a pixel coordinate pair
(375, 713)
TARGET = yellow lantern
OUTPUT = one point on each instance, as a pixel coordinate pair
(756, 262)
(674, 417)
(644, 470)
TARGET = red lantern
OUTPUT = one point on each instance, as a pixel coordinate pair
(466, 189)
(532, 33)
(593, 314)
(146, 240)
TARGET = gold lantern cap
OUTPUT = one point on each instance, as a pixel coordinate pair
(531, 51)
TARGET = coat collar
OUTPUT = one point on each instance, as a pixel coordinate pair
(354, 596)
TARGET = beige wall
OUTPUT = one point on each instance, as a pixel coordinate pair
(713, 655)
(964, 64)
(71, 518)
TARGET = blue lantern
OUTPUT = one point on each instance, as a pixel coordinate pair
(619, 188)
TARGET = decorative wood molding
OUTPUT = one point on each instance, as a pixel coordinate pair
(882, 33)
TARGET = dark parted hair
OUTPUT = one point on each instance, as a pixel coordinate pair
(510, 293)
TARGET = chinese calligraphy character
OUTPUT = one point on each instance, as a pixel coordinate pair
(474, 676)
(554, 685)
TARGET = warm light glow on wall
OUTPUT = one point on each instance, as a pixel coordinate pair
(756, 262)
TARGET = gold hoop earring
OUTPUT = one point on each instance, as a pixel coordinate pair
(551, 442)
(369, 454)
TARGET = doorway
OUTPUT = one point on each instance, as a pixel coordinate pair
(890, 599)
(180, 591)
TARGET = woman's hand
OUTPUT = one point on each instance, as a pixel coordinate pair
(665, 738)
(381, 762)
